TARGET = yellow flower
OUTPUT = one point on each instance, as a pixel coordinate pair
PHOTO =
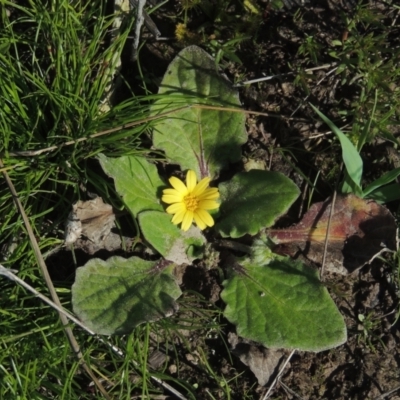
(191, 201)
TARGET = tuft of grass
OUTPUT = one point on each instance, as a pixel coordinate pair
(56, 66)
(57, 60)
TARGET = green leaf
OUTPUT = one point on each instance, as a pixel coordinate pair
(386, 194)
(282, 304)
(204, 140)
(136, 180)
(114, 296)
(383, 180)
(350, 155)
(253, 200)
(171, 242)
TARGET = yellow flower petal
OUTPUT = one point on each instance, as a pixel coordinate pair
(209, 194)
(201, 186)
(178, 217)
(169, 199)
(178, 185)
(208, 205)
(175, 208)
(205, 217)
(191, 180)
(187, 220)
(174, 192)
(199, 221)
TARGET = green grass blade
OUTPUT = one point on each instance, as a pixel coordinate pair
(350, 155)
(383, 180)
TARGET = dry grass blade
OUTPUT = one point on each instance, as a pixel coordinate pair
(273, 384)
(327, 236)
(68, 331)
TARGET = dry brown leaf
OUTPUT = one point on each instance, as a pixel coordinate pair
(359, 230)
(93, 219)
(262, 362)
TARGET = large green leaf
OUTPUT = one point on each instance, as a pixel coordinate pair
(136, 180)
(204, 140)
(281, 304)
(253, 200)
(114, 296)
(171, 242)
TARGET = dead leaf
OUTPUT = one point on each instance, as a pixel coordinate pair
(359, 230)
(262, 362)
(93, 219)
(73, 227)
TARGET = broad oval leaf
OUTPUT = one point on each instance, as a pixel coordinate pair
(171, 242)
(282, 304)
(253, 200)
(202, 139)
(136, 180)
(114, 296)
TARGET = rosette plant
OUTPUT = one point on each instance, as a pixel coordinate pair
(272, 299)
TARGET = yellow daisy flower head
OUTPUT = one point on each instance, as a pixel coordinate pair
(191, 201)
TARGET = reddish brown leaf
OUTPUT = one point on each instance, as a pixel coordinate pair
(359, 230)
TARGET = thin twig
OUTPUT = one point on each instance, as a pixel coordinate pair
(32, 153)
(39, 258)
(318, 83)
(267, 78)
(150, 25)
(138, 25)
(321, 275)
(384, 395)
(9, 273)
(273, 384)
(290, 391)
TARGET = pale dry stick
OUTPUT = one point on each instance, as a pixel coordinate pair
(138, 25)
(325, 133)
(318, 83)
(395, 18)
(321, 274)
(39, 258)
(8, 273)
(32, 153)
(150, 25)
(273, 384)
(291, 391)
(390, 392)
(303, 200)
(268, 78)
(379, 253)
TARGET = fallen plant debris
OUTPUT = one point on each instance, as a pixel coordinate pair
(359, 230)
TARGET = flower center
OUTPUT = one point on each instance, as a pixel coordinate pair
(191, 202)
